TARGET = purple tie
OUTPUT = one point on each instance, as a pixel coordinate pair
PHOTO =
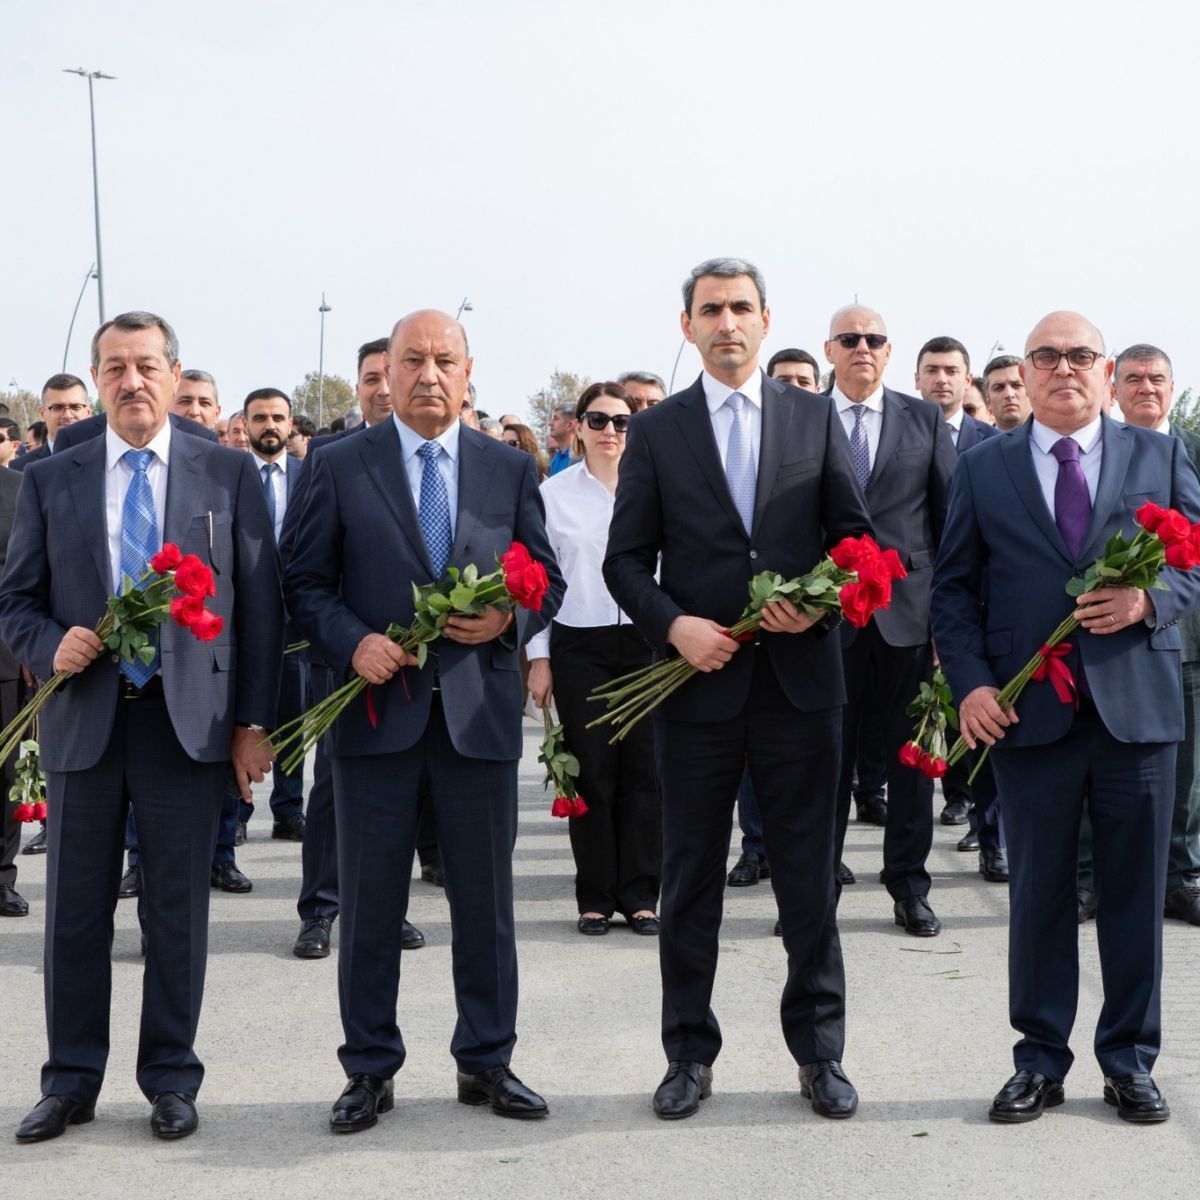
(1072, 504)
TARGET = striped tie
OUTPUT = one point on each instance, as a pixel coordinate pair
(139, 541)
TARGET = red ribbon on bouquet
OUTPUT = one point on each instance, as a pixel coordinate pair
(1053, 668)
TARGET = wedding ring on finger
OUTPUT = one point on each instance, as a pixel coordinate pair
(1111, 619)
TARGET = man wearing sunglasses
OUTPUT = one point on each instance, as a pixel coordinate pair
(903, 460)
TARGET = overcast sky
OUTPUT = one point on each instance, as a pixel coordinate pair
(962, 168)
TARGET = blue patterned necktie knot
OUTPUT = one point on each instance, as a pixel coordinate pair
(139, 542)
(741, 471)
(433, 509)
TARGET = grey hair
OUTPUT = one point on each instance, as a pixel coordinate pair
(132, 321)
(723, 268)
(195, 375)
(647, 377)
(1142, 352)
(490, 424)
(565, 410)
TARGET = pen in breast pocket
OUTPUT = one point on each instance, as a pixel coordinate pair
(208, 517)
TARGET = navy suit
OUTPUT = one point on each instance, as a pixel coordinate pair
(166, 752)
(1116, 754)
(19, 464)
(453, 727)
(971, 432)
(91, 427)
(10, 692)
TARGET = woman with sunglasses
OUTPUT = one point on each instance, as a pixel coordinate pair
(521, 437)
(618, 843)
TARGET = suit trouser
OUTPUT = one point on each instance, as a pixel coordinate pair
(888, 676)
(1126, 788)
(177, 801)
(287, 787)
(376, 800)
(793, 760)
(618, 843)
(10, 828)
(318, 854)
(985, 817)
(749, 818)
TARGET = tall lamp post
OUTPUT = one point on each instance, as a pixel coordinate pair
(89, 76)
(321, 365)
(91, 274)
(465, 306)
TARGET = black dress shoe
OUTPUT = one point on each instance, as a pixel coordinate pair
(993, 865)
(683, 1087)
(37, 843)
(51, 1116)
(778, 927)
(646, 926)
(1136, 1098)
(592, 926)
(500, 1088)
(12, 903)
(955, 813)
(433, 873)
(1024, 1096)
(1183, 903)
(228, 878)
(239, 838)
(968, 842)
(173, 1115)
(748, 870)
(290, 829)
(411, 938)
(130, 885)
(845, 876)
(831, 1093)
(1087, 905)
(916, 917)
(362, 1100)
(313, 941)
(872, 810)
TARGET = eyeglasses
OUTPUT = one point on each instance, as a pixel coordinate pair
(60, 409)
(1080, 358)
(849, 341)
(598, 420)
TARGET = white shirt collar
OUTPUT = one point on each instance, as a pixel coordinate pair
(956, 421)
(411, 441)
(874, 401)
(1044, 437)
(115, 445)
(1164, 426)
(280, 462)
(716, 392)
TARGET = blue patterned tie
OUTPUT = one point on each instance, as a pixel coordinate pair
(860, 451)
(434, 508)
(139, 541)
(268, 472)
(740, 468)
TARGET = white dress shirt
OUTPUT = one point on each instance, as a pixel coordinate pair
(118, 475)
(278, 483)
(578, 510)
(872, 417)
(1041, 438)
(955, 422)
(414, 465)
(716, 393)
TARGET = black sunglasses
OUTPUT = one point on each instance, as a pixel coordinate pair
(849, 341)
(597, 421)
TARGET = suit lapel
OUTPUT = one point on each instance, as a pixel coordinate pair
(1018, 458)
(696, 427)
(777, 413)
(185, 474)
(379, 449)
(87, 489)
(475, 469)
(1117, 448)
(895, 418)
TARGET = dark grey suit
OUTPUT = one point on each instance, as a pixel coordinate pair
(10, 688)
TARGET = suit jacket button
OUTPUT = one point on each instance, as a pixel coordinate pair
(753, 553)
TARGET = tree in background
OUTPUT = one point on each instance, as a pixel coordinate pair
(564, 387)
(22, 405)
(339, 397)
(1185, 412)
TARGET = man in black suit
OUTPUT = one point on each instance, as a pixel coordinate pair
(12, 903)
(64, 403)
(160, 736)
(733, 476)
(387, 508)
(903, 460)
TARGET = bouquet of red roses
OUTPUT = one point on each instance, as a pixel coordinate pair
(518, 582)
(562, 769)
(28, 791)
(855, 579)
(175, 585)
(935, 713)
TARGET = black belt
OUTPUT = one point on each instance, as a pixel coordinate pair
(128, 690)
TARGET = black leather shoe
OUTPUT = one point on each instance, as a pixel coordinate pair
(845, 876)
(433, 873)
(592, 926)
(1183, 903)
(12, 903)
(1024, 1096)
(37, 843)
(646, 926)
(500, 1088)
(748, 870)
(916, 917)
(239, 838)
(1136, 1098)
(993, 865)
(968, 842)
(362, 1100)
(173, 1115)
(228, 878)
(411, 938)
(872, 810)
(130, 885)
(290, 829)
(683, 1087)
(778, 927)
(313, 941)
(831, 1093)
(51, 1116)
(1087, 905)
(955, 813)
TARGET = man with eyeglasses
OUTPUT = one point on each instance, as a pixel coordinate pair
(1030, 510)
(64, 401)
(903, 460)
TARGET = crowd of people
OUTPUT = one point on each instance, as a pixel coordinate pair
(650, 514)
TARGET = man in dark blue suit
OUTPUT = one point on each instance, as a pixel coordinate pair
(93, 427)
(389, 507)
(160, 736)
(1030, 510)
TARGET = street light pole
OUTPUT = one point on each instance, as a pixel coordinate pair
(321, 365)
(465, 306)
(89, 76)
(91, 274)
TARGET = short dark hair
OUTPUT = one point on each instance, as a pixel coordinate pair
(11, 429)
(337, 424)
(793, 355)
(999, 363)
(132, 321)
(195, 375)
(267, 393)
(37, 430)
(61, 382)
(304, 425)
(595, 390)
(723, 268)
(378, 346)
(1141, 352)
(944, 345)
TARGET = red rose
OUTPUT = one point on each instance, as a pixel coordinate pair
(910, 754)
(894, 565)
(934, 768)
(207, 625)
(1183, 555)
(167, 559)
(1149, 516)
(39, 811)
(186, 610)
(850, 551)
(525, 579)
(856, 604)
(578, 807)
(561, 807)
(875, 576)
(1174, 527)
(193, 578)
(23, 813)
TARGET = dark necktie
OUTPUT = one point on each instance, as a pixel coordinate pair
(268, 477)
(1072, 504)
(860, 450)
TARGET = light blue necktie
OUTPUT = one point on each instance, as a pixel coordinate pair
(139, 541)
(434, 508)
(740, 467)
(268, 472)
(860, 452)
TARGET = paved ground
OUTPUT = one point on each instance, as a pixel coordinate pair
(928, 1045)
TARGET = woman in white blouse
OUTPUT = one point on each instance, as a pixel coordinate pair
(618, 843)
